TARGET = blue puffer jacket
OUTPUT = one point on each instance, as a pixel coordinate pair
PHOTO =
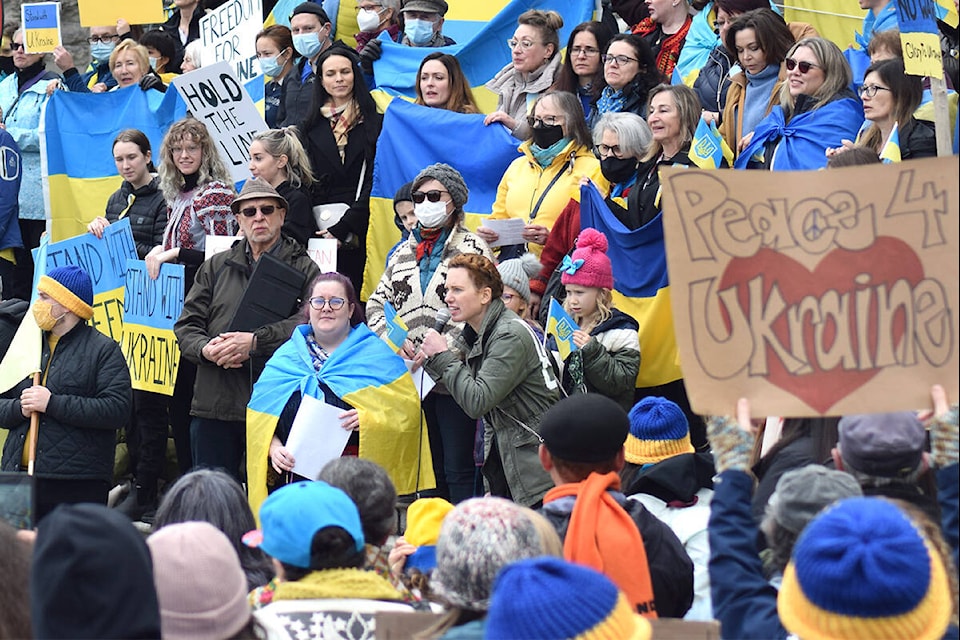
(714, 80)
(10, 176)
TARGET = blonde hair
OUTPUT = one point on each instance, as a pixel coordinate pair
(548, 23)
(602, 314)
(139, 51)
(211, 166)
(286, 142)
(837, 75)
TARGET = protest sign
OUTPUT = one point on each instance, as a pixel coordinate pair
(815, 293)
(103, 13)
(150, 309)
(216, 244)
(229, 34)
(41, 26)
(323, 251)
(216, 98)
(105, 259)
(920, 37)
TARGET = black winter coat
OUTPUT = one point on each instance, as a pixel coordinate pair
(713, 81)
(147, 213)
(90, 386)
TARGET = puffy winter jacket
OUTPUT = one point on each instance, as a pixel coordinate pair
(147, 212)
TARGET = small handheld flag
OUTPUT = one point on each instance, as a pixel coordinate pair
(561, 326)
(708, 149)
(891, 149)
(396, 328)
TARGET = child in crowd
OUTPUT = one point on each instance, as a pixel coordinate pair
(607, 358)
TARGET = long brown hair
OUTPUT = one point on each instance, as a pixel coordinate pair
(461, 97)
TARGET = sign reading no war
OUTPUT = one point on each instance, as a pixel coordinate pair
(815, 293)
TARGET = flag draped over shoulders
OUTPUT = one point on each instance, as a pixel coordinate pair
(367, 375)
(804, 140)
(641, 285)
(78, 170)
(412, 138)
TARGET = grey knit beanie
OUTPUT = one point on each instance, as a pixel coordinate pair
(516, 273)
(803, 493)
(449, 177)
(477, 539)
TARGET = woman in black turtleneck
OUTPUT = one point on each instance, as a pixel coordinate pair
(22, 96)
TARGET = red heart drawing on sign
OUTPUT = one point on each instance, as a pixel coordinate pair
(845, 272)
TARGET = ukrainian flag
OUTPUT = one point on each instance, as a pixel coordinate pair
(641, 287)
(708, 149)
(836, 20)
(362, 372)
(76, 152)
(414, 137)
(561, 326)
(700, 41)
(397, 329)
(891, 149)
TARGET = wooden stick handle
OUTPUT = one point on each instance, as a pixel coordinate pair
(33, 432)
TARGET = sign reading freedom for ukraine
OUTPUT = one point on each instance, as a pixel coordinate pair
(41, 26)
(105, 259)
(229, 34)
(815, 293)
(920, 37)
(150, 309)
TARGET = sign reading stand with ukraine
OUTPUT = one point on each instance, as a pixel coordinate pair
(41, 26)
(150, 309)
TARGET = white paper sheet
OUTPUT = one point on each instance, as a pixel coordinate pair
(421, 379)
(510, 230)
(316, 437)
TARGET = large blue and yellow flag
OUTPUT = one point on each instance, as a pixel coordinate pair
(79, 173)
(641, 286)
(365, 374)
(561, 326)
(708, 149)
(414, 137)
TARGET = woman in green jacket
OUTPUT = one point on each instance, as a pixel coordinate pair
(507, 378)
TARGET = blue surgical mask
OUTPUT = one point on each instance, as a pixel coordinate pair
(307, 44)
(100, 51)
(418, 31)
(272, 66)
(153, 63)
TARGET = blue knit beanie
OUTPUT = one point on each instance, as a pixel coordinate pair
(862, 569)
(70, 286)
(658, 430)
(549, 599)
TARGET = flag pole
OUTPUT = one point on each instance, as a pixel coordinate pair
(33, 432)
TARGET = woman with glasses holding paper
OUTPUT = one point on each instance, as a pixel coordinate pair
(629, 71)
(817, 111)
(534, 49)
(413, 284)
(538, 185)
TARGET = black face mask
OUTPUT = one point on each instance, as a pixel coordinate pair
(547, 135)
(617, 170)
(6, 65)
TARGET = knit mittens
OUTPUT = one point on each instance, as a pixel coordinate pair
(731, 445)
(945, 438)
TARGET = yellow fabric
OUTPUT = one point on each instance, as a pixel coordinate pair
(659, 363)
(65, 297)
(927, 621)
(640, 451)
(8, 255)
(524, 182)
(70, 198)
(623, 623)
(424, 518)
(836, 20)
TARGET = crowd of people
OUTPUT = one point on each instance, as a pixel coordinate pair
(554, 491)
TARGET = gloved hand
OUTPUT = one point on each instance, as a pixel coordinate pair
(944, 430)
(371, 53)
(731, 439)
(151, 81)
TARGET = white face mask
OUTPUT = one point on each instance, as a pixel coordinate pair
(431, 215)
(368, 20)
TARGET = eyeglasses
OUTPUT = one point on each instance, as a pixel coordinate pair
(507, 297)
(524, 44)
(603, 150)
(586, 52)
(369, 6)
(432, 195)
(320, 302)
(17, 46)
(617, 60)
(546, 121)
(190, 149)
(96, 39)
(870, 90)
(266, 209)
(803, 65)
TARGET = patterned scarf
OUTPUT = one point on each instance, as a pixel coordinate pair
(670, 45)
(318, 354)
(611, 100)
(342, 120)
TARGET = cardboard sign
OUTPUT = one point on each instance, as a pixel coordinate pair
(216, 98)
(105, 259)
(323, 251)
(229, 34)
(815, 293)
(920, 37)
(41, 26)
(102, 13)
(150, 309)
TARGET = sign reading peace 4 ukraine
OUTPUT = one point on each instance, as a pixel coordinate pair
(920, 37)
(41, 26)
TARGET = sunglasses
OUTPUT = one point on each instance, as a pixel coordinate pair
(17, 46)
(266, 210)
(803, 65)
(320, 302)
(432, 196)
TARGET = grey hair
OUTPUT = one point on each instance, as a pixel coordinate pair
(370, 488)
(632, 131)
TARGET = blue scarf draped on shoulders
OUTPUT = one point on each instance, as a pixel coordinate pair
(804, 140)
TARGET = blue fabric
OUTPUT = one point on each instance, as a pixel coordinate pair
(744, 603)
(428, 265)
(544, 157)
(876, 23)
(757, 97)
(611, 100)
(802, 143)
(10, 176)
(77, 82)
(948, 495)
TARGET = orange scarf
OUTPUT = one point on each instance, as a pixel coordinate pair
(603, 536)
